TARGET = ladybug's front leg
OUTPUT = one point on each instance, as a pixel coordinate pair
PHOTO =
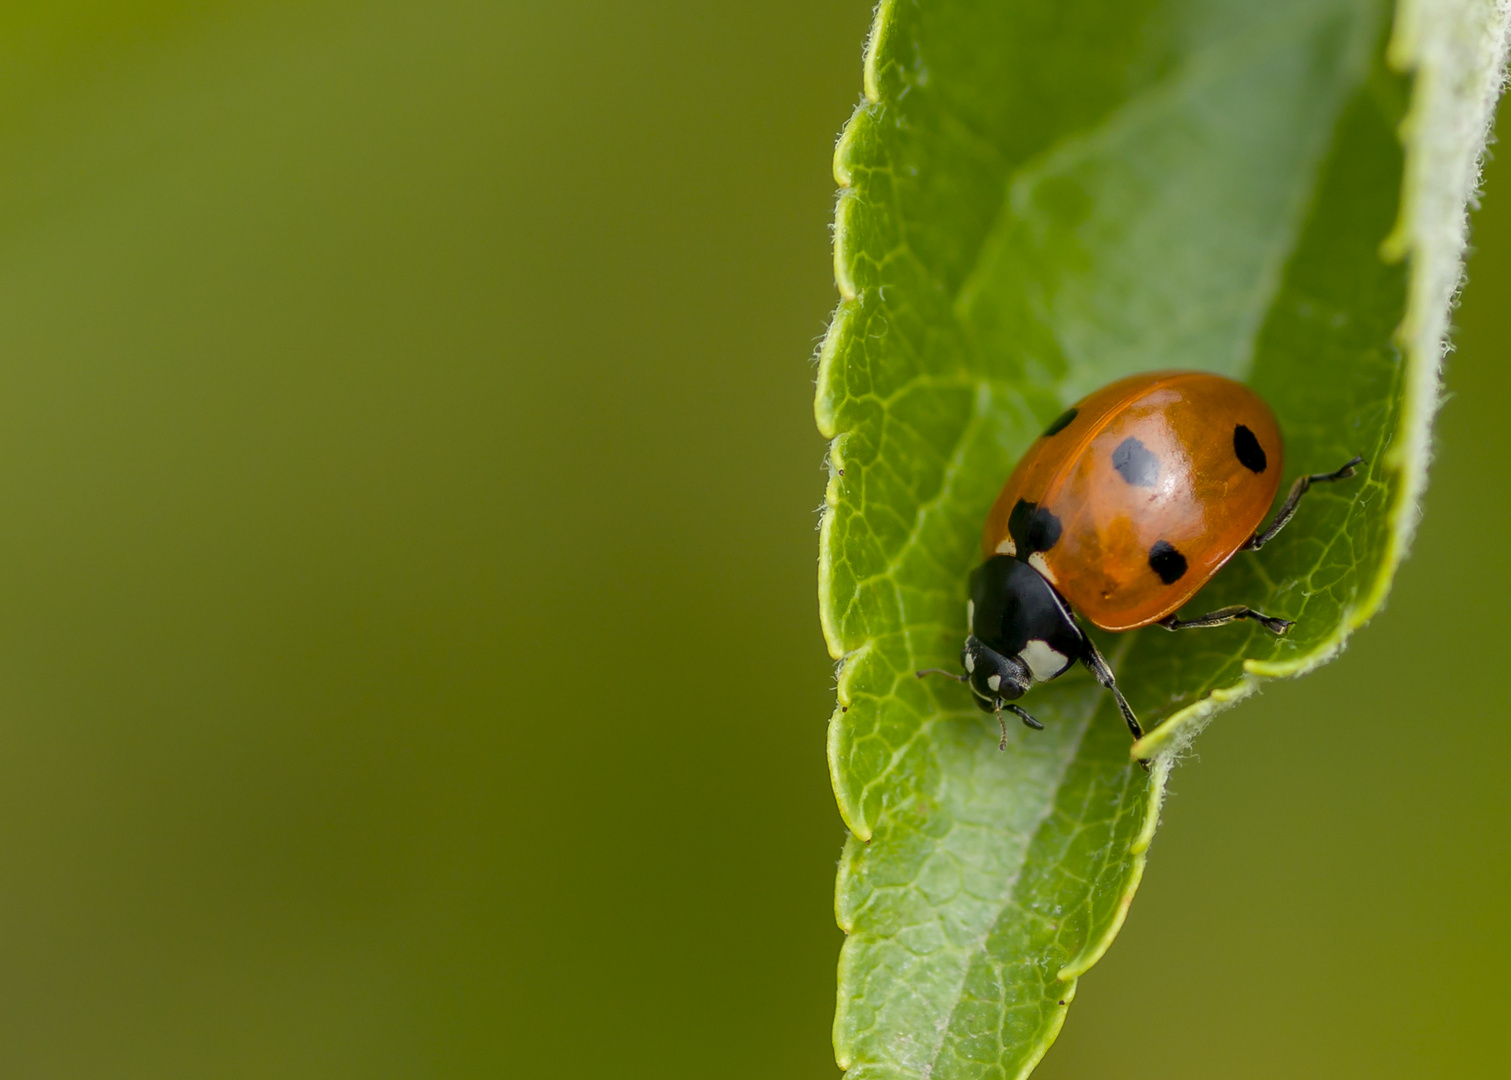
(1024, 715)
(1098, 667)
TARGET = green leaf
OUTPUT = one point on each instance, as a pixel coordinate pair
(1039, 197)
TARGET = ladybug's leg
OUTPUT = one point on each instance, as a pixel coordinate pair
(1227, 615)
(1302, 485)
(1098, 667)
(1024, 715)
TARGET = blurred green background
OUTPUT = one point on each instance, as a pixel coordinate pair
(409, 664)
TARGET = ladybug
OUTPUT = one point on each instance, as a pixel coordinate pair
(1126, 506)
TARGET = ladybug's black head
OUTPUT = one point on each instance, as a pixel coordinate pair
(991, 676)
(1021, 631)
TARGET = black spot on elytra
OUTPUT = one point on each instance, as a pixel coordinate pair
(1032, 528)
(1061, 423)
(1168, 563)
(1250, 454)
(1136, 462)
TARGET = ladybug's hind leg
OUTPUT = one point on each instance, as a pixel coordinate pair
(1302, 485)
(1275, 626)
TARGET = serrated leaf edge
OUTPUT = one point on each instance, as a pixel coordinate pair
(1444, 134)
(1455, 50)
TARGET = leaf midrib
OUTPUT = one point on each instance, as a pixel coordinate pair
(977, 947)
(1181, 81)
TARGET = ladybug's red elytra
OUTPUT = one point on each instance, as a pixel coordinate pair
(1126, 506)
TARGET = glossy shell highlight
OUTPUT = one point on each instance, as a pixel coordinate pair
(1139, 493)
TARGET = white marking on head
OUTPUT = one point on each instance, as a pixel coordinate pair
(995, 682)
(970, 663)
(1007, 547)
(970, 615)
(1036, 560)
(1043, 661)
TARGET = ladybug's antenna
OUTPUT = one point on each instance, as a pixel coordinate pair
(939, 671)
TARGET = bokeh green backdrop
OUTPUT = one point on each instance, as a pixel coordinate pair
(409, 664)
